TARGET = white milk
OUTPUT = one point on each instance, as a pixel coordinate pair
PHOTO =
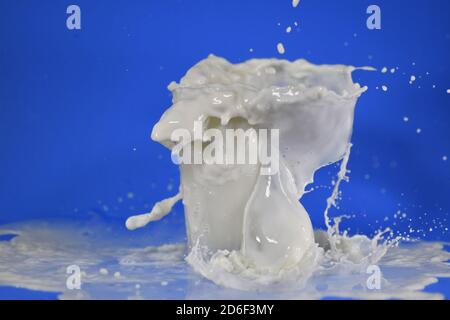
(38, 257)
(235, 208)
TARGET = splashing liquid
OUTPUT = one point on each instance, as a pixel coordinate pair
(247, 232)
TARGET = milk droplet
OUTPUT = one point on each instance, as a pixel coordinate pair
(280, 48)
(444, 158)
(117, 274)
(412, 79)
(418, 130)
(288, 29)
(448, 91)
(384, 70)
(295, 3)
(406, 119)
(103, 271)
(385, 88)
(393, 70)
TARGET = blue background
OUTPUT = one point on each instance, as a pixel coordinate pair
(77, 107)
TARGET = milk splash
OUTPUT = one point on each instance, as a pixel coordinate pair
(38, 255)
(247, 229)
(229, 207)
